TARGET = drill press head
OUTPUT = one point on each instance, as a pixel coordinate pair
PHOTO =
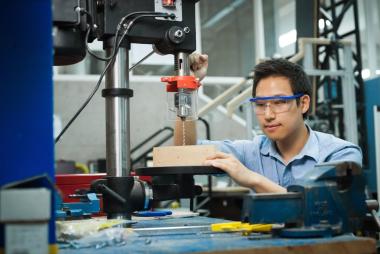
(181, 97)
(182, 90)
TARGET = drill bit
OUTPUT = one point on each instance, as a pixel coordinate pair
(183, 131)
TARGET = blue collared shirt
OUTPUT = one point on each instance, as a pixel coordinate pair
(261, 155)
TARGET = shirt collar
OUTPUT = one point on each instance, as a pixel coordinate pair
(311, 148)
(269, 148)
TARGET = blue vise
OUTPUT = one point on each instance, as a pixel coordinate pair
(88, 205)
(328, 201)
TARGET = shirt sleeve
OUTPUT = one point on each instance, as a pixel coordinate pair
(235, 148)
(348, 153)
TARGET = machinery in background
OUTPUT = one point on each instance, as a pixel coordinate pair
(372, 115)
(331, 16)
(74, 198)
(87, 205)
(70, 167)
(328, 22)
(329, 201)
(325, 20)
(330, 57)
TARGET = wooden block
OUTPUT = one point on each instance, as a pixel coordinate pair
(182, 155)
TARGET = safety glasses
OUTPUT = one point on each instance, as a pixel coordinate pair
(277, 104)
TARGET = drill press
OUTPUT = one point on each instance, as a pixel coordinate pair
(170, 26)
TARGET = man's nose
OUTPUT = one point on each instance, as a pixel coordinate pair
(268, 112)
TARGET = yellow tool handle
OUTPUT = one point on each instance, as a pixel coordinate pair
(238, 226)
(82, 167)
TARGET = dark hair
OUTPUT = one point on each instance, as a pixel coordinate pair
(298, 79)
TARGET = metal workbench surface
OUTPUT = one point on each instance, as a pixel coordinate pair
(202, 240)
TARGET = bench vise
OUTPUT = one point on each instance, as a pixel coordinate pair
(88, 205)
(328, 201)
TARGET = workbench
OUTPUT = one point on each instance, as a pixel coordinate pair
(200, 241)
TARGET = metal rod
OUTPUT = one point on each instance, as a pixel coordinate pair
(349, 99)
(117, 118)
(141, 60)
(172, 228)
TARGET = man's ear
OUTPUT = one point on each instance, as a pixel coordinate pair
(305, 103)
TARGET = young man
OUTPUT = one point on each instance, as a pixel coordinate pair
(289, 148)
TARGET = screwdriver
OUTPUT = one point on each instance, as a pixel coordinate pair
(238, 226)
(235, 226)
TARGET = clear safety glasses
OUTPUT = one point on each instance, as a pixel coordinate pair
(277, 104)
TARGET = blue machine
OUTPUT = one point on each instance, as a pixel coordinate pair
(329, 201)
(89, 204)
(372, 91)
(26, 94)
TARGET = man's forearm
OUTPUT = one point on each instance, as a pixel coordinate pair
(261, 184)
(185, 133)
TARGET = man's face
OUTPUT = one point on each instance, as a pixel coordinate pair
(280, 126)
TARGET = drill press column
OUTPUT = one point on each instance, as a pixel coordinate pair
(119, 183)
(117, 117)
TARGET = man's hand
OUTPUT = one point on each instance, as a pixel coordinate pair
(231, 166)
(242, 175)
(199, 65)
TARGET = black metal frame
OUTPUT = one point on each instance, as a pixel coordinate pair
(335, 11)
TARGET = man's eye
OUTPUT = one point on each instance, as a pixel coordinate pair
(279, 102)
(260, 104)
